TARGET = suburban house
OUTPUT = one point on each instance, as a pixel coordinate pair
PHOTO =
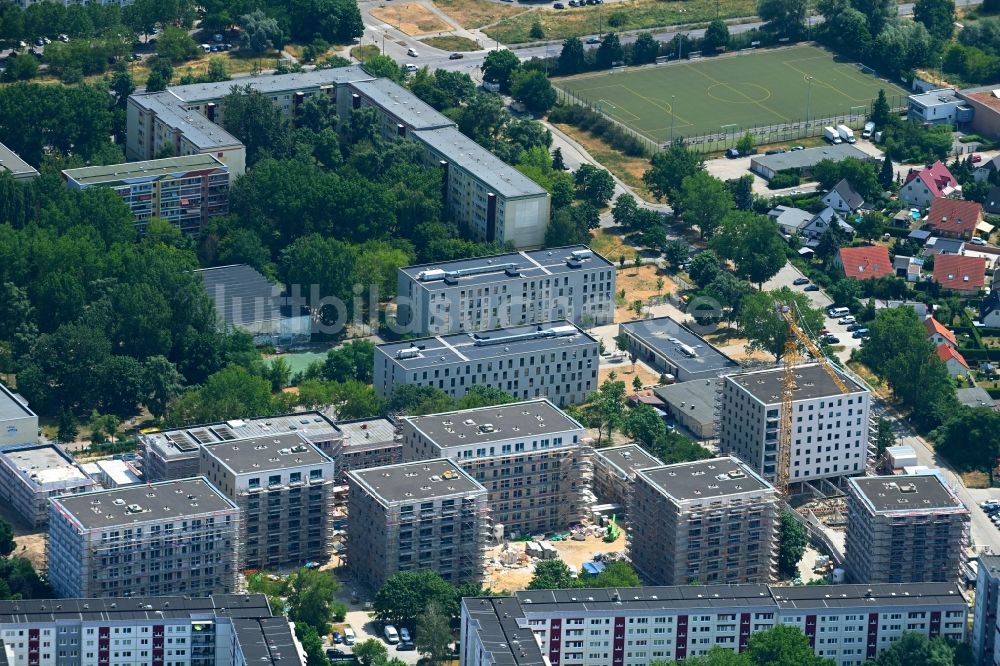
(952, 360)
(992, 204)
(865, 263)
(989, 310)
(938, 333)
(935, 245)
(907, 268)
(954, 218)
(809, 227)
(843, 198)
(924, 186)
(964, 275)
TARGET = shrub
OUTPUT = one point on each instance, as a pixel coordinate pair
(782, 179)
(617, 19)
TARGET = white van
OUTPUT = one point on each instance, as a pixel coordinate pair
(836, 313)
(412, 53)
(410, 67)
(349, 636)
(391, 635)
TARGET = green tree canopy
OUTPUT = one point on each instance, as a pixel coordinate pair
(406, 595)
(763, 326)
(791, 544)
(752, 243)
(705, 201)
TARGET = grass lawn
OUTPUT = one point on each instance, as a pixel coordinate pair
(411, 18)
(628, 169)
(478, 13)
(610, 245)
(365, 52)
(764, 88)
(452, 43)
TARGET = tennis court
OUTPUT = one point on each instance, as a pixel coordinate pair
(731, 93)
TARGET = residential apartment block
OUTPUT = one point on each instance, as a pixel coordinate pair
(283, 486)
(513, 289)
(366, 443)
(849, 624)
(218, 630)
(830, 430)
(530, 456)
(985, 631)
(176, 453)
(184, 191)
(421, 515)
(615, 468)
(904, 529)
(18, 424)
(30, 475)
(710, 521)
(163, 538)
(557, 361)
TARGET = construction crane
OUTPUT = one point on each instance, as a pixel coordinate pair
(795, 337)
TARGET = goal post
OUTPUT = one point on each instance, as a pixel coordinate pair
(694, 55)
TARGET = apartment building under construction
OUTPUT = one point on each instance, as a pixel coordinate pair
(614, 472)
(530, 456)
(710, 521)
(421, 515)
(174, 537)
(904, 529)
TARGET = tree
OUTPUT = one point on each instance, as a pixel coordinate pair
(861, 174)
(312, 644)
(753, 244)
(572, 59)
(637, 383)
(610, 406)
(163, 383)
(624, 210)
(971, 438)
(745, 143)
(536, 32)
(371, 652)
(480, 395)
(884, 437)
(21, 67)
(310, 593)
(783, 17)
(705, 267)
(258, 32)
(533, 89)
(783, 645)
(669, 169)
(231, 393)
(881, 113)
(705, 201)
(716, 36)
(716, 656)
(766, 330)
(644, 424)
(938, 16)
(915, 648)
(406, 595)
(594, 184)
(886, 175)
(353, 360)
(176, 45)
(791, 545)
(645, 49)
(433, 634)
(676, 252)
(257, 122)
(499, 66)
(551, 575)
(7, 543)
(610, 51)
(557, 160)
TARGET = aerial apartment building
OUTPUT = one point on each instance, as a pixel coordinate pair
(985, 631)
(513, 289)
(18, 424)
(174, 537)
(366, 443)
(185, 191)
(850, 624)
(709, 521)
(176, 453)
(421, 515)
(904, 529)
(218, 630)
(615, 469)
(283, 486)
(557, 361)
(31, 475)
(830, 430)
(530, 456)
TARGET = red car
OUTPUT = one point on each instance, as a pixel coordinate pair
(977, 158)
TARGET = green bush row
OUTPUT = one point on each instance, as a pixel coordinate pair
(599, 126)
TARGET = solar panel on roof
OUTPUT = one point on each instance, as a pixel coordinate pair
(224, 433)
(202, 436)
(182, 441)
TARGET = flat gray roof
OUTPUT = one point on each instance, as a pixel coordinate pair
(905, 493)
(46, 464)
(267, 454)
(415, 481)
(517, 420)
(368, 431)
(496, 343)
(157, 502)
(704, 479)
(197, 129)
(628, 459)
(117, 609)
(11, 161)
(139, 171)
(462, 151)
(936, 98)
(507, 643)
(11, 406)
(810, 157)
(400, 102)
(266, 640)
(535, 264)
(976, 396)
(695, 398)
(666, 336)
(873, 596)
(270, 84)
(811, 382)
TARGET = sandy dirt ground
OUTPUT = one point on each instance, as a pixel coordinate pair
(639, 285)
(30, 542)
(411, 18)
(623, 373)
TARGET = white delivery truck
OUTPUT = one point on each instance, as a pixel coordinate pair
(831, 135)
(846, 133)
(869, 129)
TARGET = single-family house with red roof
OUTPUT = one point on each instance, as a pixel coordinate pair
(865, 263)
(924, 186)
(964, 275)
(938, 333)
(952, 360)
(954, 218)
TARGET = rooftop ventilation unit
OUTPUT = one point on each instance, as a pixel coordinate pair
(555, 332)
(409, 352)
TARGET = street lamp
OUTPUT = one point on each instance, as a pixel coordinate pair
(673, 98)
(809, 86)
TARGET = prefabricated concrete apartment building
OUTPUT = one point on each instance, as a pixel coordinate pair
(557, 361)
(530, 456)
(513, 289)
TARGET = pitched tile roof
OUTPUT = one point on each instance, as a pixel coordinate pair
(954, 271)
(862, 263)
(934, 326)
(947, 353)
(954, 215)
(936, 177)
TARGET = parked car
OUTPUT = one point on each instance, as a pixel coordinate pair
(794, 148)
(732, 153)
(333, 653)
(349, 636)
(455, 56)
(976, 158)
(39, 41)
(830, 339)
(559, 5)
(391, 635)
(860, 333)
(406, 646)
(404, 635)
(849, 319)
(337, 638)
(811, 287)
(594, 40)
(976, 240)
(854, 327)
(775, 151)
(410, 67)
(800, 281)
(412, 52)
(573, 3)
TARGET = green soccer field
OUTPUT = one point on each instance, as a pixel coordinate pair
(729, 94)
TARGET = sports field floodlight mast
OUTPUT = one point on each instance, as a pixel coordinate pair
(673, 99)
(809, 87)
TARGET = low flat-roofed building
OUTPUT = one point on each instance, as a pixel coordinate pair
(18, 424)
(117, 473)
(31, 475)
(804, 160)
(429, 514)
(511, 289)
(614, 472)
(671, 507)
(366, 443)
(176, 453)
(693, 405)
(148, 540)
(939, 107)
(670, 347)
(557, 361)
(976, 396)
(11, 162)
